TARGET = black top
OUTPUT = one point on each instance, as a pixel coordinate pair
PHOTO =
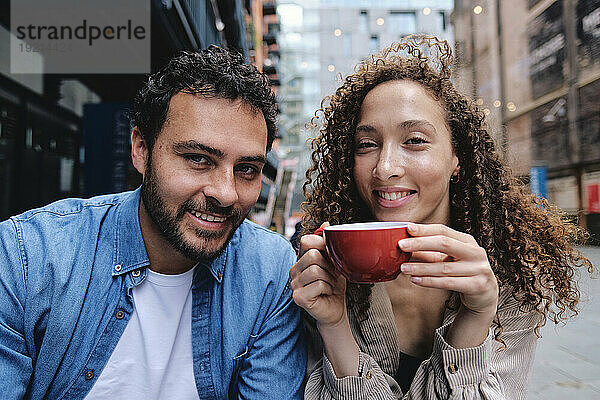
(406, 371)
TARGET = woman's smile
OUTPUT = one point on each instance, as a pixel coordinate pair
(403, 157)
(392, 197)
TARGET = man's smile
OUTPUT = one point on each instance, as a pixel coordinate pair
(206, 221)
(207, 217)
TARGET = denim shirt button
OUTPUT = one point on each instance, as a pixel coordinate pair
(120, 314)
(136, 273)
(89, 374)
(118, 267)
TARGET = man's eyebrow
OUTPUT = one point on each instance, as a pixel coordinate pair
(192, 145)
(260, 159)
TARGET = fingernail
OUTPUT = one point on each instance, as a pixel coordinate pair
(406, 268)
(403, 243)
(416, 279)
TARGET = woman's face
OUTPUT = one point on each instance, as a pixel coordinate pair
(403, 158)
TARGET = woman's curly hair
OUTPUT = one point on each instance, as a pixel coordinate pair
(529, 243)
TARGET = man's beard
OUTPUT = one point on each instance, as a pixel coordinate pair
(170, 226)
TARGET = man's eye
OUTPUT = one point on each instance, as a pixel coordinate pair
(249, 171)
(196, 159)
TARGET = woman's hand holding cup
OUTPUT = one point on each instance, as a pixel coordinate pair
(321, 290)
(444, 258)
(317, 286)
(451, 260)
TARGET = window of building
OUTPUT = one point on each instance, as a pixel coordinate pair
(374, 44)
(348, 45)
(402, 22)
(334, 16)
(441, 21)
(363, 22)
(311, 87)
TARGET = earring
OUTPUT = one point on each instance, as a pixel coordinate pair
(455, 178)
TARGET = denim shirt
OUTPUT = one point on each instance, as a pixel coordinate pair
(67, 272)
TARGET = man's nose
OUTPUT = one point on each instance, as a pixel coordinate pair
(222, 188)
(389, 164)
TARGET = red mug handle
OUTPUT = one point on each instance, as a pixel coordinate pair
(319, 232)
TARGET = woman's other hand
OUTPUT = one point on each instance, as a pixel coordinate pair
(317, 286)
(321, 290)
(452, 260)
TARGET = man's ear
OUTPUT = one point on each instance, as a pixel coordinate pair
(139, 150)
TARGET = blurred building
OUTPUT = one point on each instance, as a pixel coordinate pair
(323, 40)
(534, 68)
(299, 94)
(275, 195)
(352, 30)
(68, 135)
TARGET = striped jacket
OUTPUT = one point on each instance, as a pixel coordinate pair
(482, 372)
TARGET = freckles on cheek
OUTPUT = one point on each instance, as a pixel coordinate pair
(361, 172)
(431, 168)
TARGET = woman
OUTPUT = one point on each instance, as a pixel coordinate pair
(490, 261)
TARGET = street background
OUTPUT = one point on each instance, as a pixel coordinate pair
(567, 363)
(532, 67)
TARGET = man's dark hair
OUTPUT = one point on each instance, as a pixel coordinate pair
(213, 72)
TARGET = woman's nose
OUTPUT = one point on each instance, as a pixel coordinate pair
(389, 165)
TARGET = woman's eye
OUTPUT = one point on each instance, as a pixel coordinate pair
(365, 145)
(416, 140)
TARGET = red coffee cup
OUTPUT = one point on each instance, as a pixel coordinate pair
(367, 252)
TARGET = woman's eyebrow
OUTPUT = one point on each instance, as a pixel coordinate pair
(365, 128)
(412, 123)
(408, 124)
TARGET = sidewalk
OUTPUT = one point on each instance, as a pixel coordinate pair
(567, 364)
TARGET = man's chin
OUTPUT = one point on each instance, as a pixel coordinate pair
(205, 247)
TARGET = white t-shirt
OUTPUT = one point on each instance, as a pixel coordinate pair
(153, 359)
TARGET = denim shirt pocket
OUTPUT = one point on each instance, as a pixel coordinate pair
(237, 363)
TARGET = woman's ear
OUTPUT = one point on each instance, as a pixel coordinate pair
(456, 164)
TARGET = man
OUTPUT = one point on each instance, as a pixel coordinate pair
(165, 292)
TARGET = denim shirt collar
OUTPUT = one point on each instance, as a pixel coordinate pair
(130, 250)
(216, 267)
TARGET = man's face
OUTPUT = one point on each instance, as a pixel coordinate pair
(204, 173)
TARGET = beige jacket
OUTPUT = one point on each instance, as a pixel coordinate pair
(483, 372)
